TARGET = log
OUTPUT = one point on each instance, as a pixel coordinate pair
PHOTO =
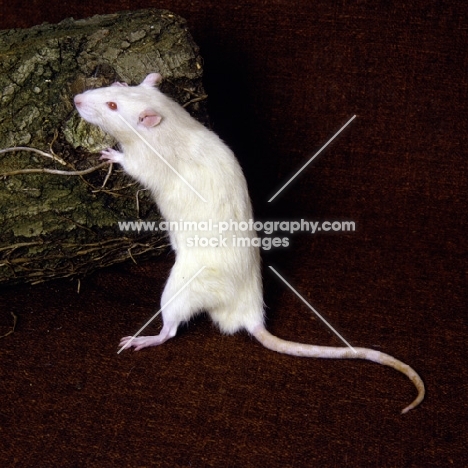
(59, 205)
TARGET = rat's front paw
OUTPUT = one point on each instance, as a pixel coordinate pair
(112, 156)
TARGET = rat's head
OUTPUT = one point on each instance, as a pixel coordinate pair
(119, 106)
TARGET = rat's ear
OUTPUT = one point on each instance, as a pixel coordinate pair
(153, 79)
(149, 118)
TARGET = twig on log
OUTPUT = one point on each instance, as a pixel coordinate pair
(37, 151)
(54, 171)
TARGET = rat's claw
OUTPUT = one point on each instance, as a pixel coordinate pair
(126, 342)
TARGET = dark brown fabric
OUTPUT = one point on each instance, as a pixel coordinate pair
(282, 77)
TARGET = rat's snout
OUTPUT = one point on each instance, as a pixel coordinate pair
(83, 108)
(78, 100)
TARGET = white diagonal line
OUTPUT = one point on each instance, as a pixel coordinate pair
(312, 309)
(161, 309)
(161, 157)
(312, 158)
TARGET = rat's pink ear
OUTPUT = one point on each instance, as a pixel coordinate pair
(153, 79)
(149, 118)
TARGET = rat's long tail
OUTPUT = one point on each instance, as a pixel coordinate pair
(297, 349)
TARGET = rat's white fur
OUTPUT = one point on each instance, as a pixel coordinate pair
(229, 288)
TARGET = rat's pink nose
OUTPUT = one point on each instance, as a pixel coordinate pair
(78, 100)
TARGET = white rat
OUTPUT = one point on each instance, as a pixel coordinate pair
(195, 177)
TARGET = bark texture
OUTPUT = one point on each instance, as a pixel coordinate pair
(56, 225)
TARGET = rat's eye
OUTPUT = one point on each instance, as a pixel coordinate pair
(111, 105)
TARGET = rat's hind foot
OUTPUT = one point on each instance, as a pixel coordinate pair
(141, 342)
(167, 332)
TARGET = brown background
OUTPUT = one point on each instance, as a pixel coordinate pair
(282, 77)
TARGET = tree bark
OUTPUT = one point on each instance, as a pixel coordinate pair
(60, 224)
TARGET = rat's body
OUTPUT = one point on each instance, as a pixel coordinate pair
(199, 180)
